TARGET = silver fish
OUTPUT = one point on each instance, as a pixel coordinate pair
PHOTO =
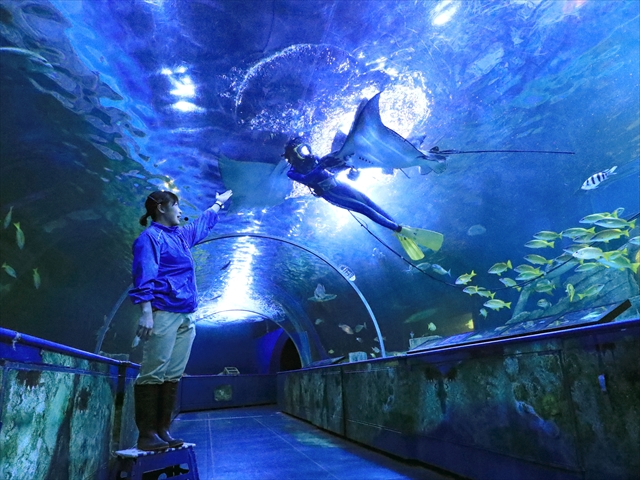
(594, 217)
(609, 234)
(19, 236)
(597, 178)
(571, 291)
(591, 291)
(465, 278)
(576, 232)
(611, 222)
(544, 286)
(588, 253)
(510, 282)
(537, 260)
(524, 276)
(618, 261)
(346, 329)
(588, 266)
(547, 235)
(496, 304)
(538, 244)
(438, 269)
(500, 267)
(7, 219)
(36, 278)
(527, 268)
(10, 271)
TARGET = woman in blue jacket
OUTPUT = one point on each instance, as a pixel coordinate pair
(164, 285)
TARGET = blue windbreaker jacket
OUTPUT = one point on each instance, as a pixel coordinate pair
(163, 268)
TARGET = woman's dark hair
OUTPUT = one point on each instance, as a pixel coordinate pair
(159, 197)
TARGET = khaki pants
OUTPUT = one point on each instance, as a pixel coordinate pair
(166, 353)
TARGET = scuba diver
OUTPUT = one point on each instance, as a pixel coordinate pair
(316, 174)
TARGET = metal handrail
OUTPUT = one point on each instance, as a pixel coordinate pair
(12, 337)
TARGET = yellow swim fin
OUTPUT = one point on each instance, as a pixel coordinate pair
(412, 249)
(426, 238)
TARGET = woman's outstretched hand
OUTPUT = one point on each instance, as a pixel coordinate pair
(223, 197)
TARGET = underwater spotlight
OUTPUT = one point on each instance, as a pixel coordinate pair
(187, 107)
(442, 14)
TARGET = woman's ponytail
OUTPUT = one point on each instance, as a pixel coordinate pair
(160, 197)
(143, 219)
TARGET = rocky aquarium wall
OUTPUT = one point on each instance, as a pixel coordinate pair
(62, 411)
(561, 405)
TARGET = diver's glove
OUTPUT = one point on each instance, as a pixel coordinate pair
(332, 163)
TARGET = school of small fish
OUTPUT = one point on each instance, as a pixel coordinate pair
(586, 254)
(20, 243)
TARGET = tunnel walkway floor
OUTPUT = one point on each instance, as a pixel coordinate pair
(262, 443)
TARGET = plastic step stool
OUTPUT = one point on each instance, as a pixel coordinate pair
(174, 464)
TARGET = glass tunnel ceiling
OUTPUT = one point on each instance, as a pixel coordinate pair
(104, 102)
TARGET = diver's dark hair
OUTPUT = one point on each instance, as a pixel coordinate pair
(159, 197)
(300, 161)
(289, 149)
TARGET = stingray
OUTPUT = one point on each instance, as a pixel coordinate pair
(371, 144)
(255, 184)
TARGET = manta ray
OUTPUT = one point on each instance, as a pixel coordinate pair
(371, 144)
(255, 184)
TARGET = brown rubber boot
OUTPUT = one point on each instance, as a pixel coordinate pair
(167, 402)
(146, 399)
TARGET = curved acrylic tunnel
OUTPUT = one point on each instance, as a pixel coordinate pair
(253, 277)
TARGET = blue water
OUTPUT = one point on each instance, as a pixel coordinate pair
(108, 101)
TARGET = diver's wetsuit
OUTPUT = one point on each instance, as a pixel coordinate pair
(324, 184)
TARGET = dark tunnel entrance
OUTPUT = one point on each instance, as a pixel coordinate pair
(289, 357)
